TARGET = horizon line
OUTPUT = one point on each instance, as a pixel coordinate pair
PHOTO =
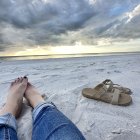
(69, 54)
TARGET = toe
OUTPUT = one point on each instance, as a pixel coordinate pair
(16, 81)
(20, 79)
(29, 84)
(25, 80)
(12, 83)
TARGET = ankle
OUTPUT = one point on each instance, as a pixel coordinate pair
(34, 100)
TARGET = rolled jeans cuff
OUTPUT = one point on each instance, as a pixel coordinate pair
(9, 120)
(39, 107)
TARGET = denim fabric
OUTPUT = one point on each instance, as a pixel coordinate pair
(51, 124)
(39, 107)
(48, 124)
(8, 127)
(9, 120)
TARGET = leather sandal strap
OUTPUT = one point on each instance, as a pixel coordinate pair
(122, 89)
(115, 98)
(101, 91)
(109, 83)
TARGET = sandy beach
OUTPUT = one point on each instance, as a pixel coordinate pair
(62, 81)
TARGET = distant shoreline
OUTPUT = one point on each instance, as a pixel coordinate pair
(38, 57)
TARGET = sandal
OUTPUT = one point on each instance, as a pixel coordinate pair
(107, 94)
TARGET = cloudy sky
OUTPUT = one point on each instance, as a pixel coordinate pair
(68, 26)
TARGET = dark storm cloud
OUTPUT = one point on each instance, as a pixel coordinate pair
(25, 14)
(58, 22)
(39, 21)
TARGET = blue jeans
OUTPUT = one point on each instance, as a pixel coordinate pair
(48, 124)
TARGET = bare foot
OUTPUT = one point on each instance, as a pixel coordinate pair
(32, 95)
(13, 104)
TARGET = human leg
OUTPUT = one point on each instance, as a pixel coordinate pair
(11, 110)
(8, 127)
(48, 122)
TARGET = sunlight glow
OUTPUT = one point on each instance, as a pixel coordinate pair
(104, 42)
(102, 46)
(33, 51)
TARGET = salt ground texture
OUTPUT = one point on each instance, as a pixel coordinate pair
(62, 80)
